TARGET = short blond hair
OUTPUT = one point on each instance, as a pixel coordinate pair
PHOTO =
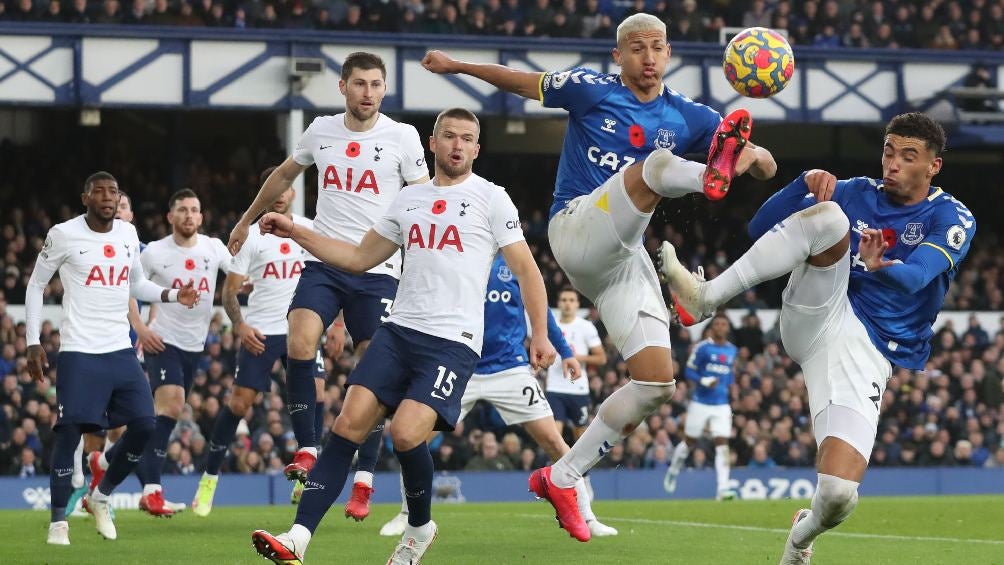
(639, 22)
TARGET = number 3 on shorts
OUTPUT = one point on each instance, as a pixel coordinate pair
(387, 305)
(443, 386)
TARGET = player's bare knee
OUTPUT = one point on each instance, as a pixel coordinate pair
(301, 347)
(349, 428)
(406, 437)
(835, 498)
(241, 399)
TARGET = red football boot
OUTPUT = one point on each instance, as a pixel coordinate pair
(153, 504)
(278, 549)
(303, 462)
(358, 506)
(726, 145)
(564, 502)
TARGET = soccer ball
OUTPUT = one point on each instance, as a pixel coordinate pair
(758, 62)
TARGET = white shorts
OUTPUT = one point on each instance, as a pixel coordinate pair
(716, 417)
(514, 392)
(597, 241)
(821, 333)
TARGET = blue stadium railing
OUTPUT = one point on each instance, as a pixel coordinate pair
(147, 66)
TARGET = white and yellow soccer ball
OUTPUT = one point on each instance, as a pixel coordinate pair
(758, 62)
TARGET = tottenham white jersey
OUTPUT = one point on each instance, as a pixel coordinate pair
(96, 270)
(359, 174)
(581, 336)
(170, 265)
(273, 266)
(450, 236)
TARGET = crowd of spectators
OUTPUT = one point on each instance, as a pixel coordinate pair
(936, 24)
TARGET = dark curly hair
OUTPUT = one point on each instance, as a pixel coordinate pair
(919, 126)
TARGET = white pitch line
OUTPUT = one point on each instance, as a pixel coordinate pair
(784, 531)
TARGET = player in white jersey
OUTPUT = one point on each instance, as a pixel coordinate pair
(569, 399)
(100, 381)
(96, 444)
(616, 166)
(363, 159)
(176, 338)
(421, 358)
(272, 265)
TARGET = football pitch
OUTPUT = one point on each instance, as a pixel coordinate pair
(930, 530)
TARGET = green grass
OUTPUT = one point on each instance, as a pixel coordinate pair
(914, 531)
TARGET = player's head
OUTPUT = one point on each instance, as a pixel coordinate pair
(363, 84)
(719, 327)
(124, 211)
(642, 51)
(911, 155)
(454, 141)
(285, 200)
(184, 212)
(101, 196)
(568, 301)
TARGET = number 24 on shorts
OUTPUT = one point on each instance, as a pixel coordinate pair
(443, 386)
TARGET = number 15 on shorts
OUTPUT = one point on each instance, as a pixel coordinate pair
(443, 387)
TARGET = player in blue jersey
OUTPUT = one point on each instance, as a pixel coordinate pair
(504, 379)
(617, 163)
(710, 368)
(870, 262)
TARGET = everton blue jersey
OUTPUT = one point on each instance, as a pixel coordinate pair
(609, 128)
(505, 324)
(712, 360)
(900, 325)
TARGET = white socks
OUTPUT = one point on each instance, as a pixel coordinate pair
(779, 251)
(404, 499)
(722, 466)
(208, 476)
(77, 480)
(300, 536)
(618, 416)
(310, 450)
(680, 453)
(671, 176)
(364, 477)
(420, 533)
(151, 488)
(582, 497)
(833, 502)
(97, 495)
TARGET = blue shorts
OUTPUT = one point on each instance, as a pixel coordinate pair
(365, 300)
(404, 363)
(572, 408)
(255, 371)
(101, 390)
(172, 366)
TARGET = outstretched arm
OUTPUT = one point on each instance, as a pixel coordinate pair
(525, 84)
(371, 251)
(276, 183)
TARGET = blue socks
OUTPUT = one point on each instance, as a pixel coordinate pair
(326, 480)
(302, 399)
(125, 455)
(416, 472)
(151, 466)
(60, 487)
(369, 451)
(319, 422)
(223, 434)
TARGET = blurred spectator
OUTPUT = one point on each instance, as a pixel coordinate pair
(489, 458)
